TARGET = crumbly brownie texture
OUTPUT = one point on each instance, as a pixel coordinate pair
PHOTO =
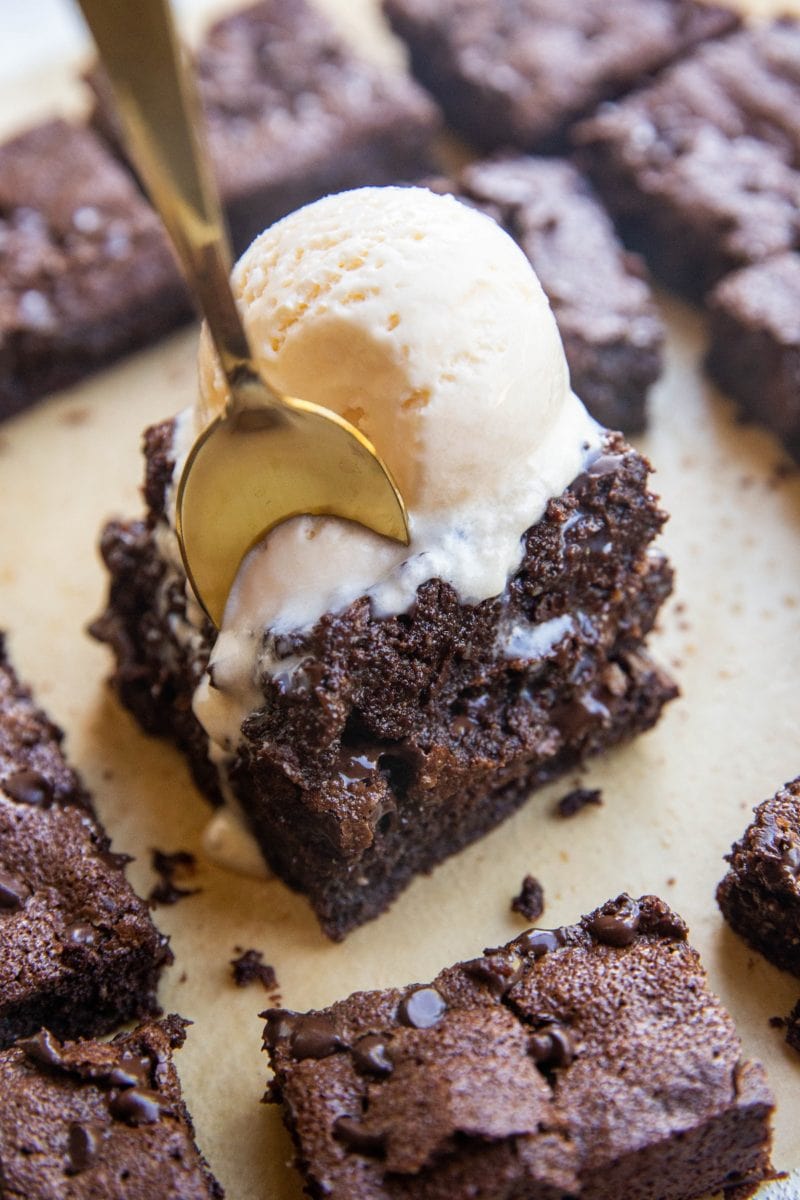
(599, 294)
(754, 352)
(760, 895)
(78, 950)
(99, 1120)
(397, 741)
(293, 114)
(85, 270)
(793, 1027)
(590, 1061)
(701, 167)
(520, 72)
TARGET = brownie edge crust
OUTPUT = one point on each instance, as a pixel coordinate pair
(590, 1061)
(386, 745)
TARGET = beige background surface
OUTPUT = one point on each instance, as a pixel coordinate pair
(674, 800)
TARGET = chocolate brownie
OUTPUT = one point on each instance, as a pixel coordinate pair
(793, 1027)
(599, 294)
(85, 270)
(78, 950)
(702, 167)
(99, 1120)
(760, 895)
(589, 1061)
(386, 744)
(754, 352)
(520, 72)
(293, 114)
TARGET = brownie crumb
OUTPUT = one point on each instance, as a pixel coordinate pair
(530, 901)
(778, 1022)
(792, 1024)
(171, 867)
(248, 968)
(574, 801)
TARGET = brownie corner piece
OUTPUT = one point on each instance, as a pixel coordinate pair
(520, 74)
(603, 304)
(760, 895)
(99, 1119)
(754, 351)
(78, 949)
(587, 1060)
(86, 273)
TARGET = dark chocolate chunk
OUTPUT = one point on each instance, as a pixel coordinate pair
(28, 787)
(82, 1145)
(371, 1055)
(422, 1008)
(499, 970)
(137, 1106)
(44, 1049)
(538, 941)
(314, 1036)
(353, 1136)
(577, 799)
(530, 901)
(280, 1025)
(249, 967)
(617, 923)
(13, 890)
(552, 1047)
(80, 933)
(131, 1070)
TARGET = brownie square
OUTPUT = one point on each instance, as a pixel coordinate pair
(701, 167)
(293, 114)
(78, 950)
(520, 72)
(589, 1061)
(85, 270)
(599, 293)
(754, 352)
(99, 1119)
(760, 895)
(383, 745)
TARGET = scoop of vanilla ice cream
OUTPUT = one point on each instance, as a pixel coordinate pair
(420, 321)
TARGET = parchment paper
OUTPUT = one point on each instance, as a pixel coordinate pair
(674, 800)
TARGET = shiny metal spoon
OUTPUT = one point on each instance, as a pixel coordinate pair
(268, 457)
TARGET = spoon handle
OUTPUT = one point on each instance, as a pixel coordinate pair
(159, 108)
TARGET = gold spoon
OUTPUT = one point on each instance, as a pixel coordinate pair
(268, 457)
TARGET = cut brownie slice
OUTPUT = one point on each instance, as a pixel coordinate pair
(382, 745)
(293, 114)
(760, 895)
(520, 72)
(78, 950)
(604, 308)
(586, 1061)
(701, 168)
(754, 352)
(85, 270)
(99, 1119)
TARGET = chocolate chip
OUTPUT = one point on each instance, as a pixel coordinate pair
(28, 787)
(81, 933)
(499, 972)
(422, 1009)
(43, 1048)
(130, 1071)
(371, 1055)
(82, 1147)
(791, 860)
(13, 890)
(279, 1026)
(539, 941)
(353, 1136)
(530, 901)
(136, 1106)
(314, 1036)
(616, 923)
(552, 1047)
